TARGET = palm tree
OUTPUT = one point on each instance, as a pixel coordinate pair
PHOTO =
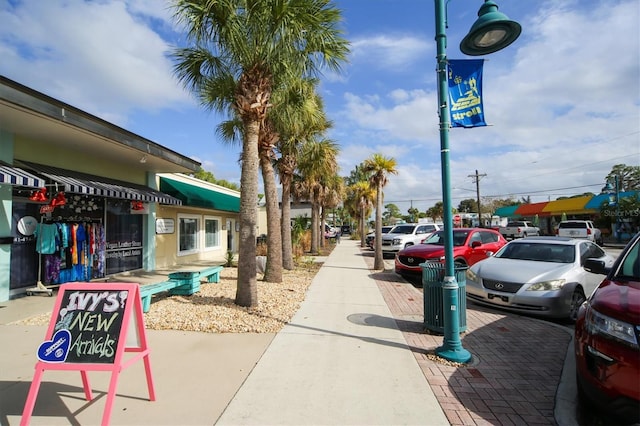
(240, 51)
(379, 167)
(317, 162)
(300, 116)
(362, 194)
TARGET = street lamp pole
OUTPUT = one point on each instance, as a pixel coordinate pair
(491, 32)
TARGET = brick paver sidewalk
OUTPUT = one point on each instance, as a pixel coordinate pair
(516, 366)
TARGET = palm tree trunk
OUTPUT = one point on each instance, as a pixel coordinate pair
(285, 227)
(273, 270)
(379, 259)
(323, 221)
(362, 232)
(247, 291)
(315, 227)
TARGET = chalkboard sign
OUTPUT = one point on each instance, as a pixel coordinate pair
(88, 324)
(92, 326)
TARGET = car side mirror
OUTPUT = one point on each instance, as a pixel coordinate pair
(596, 266)
(475, 244)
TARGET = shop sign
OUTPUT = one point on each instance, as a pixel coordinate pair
(165, 226)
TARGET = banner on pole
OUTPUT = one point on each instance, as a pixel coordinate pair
(465, 92)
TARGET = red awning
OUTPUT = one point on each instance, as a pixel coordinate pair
(530, 210)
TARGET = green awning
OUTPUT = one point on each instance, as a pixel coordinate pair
(507, 211)
(198, 196)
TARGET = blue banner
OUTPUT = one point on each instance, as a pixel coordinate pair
(465, 92)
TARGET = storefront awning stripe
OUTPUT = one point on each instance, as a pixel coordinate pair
(197, 196)
(82, 183)
(567, 205)
(16, 176)
(507, 211)
(528, 210)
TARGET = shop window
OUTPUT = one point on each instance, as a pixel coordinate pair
(123, 237)
(211, 232)
(188, 232)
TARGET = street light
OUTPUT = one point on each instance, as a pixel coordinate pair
(614, 200)
(491, 32)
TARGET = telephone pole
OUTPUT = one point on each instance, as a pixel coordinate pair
(476, 179)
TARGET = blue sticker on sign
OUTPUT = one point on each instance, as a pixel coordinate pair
(56, 349)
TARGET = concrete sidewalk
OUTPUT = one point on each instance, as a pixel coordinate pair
(340, 361)
(355, 353)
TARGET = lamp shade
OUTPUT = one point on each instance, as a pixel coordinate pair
(491, 32)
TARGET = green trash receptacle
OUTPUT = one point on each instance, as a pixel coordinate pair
(432, 282)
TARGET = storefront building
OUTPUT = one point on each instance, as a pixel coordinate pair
(80, 196)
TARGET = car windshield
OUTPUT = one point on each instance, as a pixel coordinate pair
(572, 225)
(403, 229)
(538, 252)
(437, 238)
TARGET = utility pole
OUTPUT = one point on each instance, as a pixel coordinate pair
(476, 179)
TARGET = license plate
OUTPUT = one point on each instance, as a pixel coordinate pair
(505, 299)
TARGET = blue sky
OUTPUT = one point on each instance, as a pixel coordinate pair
(563, 102)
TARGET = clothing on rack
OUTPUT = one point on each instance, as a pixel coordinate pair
(71, 251)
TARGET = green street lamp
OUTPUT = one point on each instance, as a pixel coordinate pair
(491, 32)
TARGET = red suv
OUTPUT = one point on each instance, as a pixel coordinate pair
(470, 245)
(607, 334)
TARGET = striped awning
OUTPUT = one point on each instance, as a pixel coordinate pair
(82, 183)
(16, 176)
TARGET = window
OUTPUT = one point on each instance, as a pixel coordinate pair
(488, 237)
(211, 232)
(188, 234)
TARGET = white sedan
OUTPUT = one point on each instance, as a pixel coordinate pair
(541, 276)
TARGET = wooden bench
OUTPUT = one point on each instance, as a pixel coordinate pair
(182, 282)
(211, 274)
(148, 290)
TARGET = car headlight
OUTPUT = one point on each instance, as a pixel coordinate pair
(597, 323)
(471, 276)
(547, 285)
(397, 241)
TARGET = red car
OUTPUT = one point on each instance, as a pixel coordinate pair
(470, 245)
(607, 337)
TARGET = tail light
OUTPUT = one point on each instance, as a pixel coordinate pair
(588, 231)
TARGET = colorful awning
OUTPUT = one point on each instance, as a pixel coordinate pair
(82, 183)
(530, 210)
(507, 211)
(16, 176)
(575, 205)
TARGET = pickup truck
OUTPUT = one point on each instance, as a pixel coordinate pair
(579, 229)
(519, 229)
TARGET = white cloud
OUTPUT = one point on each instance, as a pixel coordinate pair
(97, 55)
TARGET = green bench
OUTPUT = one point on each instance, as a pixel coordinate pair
(210, 274)
(183, 283)
(148, 290)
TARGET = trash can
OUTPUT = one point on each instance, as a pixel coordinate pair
(432, 282)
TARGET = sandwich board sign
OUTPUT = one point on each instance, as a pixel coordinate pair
(92, 326)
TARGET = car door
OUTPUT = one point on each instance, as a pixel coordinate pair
(478, 253)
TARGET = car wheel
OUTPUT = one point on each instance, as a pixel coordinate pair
(408, 245)
(577, 299)
(459, 263)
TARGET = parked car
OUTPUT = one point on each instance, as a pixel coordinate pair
(519, 229)
(470, 245)
(541, 276)
(370, 238)
(345, 229)
(579, 229)
(405, 235)
(607, 337)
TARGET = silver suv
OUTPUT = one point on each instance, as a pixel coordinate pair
(407, 234)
